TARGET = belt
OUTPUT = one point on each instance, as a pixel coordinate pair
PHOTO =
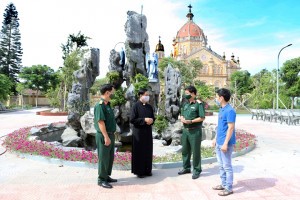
(192, 128)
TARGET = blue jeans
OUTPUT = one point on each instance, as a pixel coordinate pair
(226, 171)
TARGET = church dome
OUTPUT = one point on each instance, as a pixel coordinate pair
(190, 29)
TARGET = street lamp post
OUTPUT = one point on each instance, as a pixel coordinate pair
(277, 90)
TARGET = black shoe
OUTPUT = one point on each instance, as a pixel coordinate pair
(149, 174)
(184, 171)
(140, 176)
(105, 184)
(111, 180)
(195, 176)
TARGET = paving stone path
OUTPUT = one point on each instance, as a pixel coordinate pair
(271, 171)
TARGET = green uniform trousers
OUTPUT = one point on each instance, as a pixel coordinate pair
(105, 156)
(191, 144)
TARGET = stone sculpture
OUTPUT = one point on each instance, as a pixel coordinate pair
(136, 44)
(117, 63)
(86, 76)
(78, 98)
(172, 93)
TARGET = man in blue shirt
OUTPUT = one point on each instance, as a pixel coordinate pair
(224, 141)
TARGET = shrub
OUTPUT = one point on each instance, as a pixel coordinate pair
(160, 124)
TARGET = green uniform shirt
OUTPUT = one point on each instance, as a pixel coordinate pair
(193, 110)
(104, 112)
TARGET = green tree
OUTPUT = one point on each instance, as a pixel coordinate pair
(112, 77)
(20, 89)
(241, 87)
(290, 76)
(74, 42)
(204, 92)
(139, 82)
(160, 124)
(71, 64)
(263, 93)
(189, 70)
(39, 78)
(5, 86)
(163, 63)
(119, 97)
(10, 45)
(73, 52)
(97, 84)
(240, 82)
(53, 96)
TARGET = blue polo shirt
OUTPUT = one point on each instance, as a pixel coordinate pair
(226, 115)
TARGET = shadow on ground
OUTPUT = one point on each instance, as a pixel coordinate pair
(254, 184)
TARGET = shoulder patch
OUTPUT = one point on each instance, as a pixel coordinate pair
(101, 101)
(199, 101)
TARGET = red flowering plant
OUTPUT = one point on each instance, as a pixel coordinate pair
(244, 140)
(18, 141)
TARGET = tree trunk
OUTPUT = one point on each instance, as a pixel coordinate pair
(22, 101)
(65, 96)
(60, 96)
(36, 98)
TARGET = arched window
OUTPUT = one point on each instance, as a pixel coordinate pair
(204, 69)
(221, 70)
(218, 69)
(214, 69)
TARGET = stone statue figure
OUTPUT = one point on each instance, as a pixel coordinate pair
(122, 58)
(152, 65)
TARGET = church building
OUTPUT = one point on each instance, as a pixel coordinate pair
(191, 43)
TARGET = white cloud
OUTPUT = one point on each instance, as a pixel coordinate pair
(256, 22)
(46, 24)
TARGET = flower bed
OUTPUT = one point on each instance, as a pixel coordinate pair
(49, 113)
(18, 141)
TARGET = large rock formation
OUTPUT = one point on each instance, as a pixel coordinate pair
(78, 98)
(172, 93)
(136, 44)
(138, 61)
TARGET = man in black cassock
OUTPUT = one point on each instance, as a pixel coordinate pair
(142, 118)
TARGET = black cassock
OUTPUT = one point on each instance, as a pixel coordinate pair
(142, 142)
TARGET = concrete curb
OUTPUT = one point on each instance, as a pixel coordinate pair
(166, 165)
(169, 165)
(58, 161)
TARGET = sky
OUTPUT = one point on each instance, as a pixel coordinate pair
(253, 30)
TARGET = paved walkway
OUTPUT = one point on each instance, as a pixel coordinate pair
(271, 171)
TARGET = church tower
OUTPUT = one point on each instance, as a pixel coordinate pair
(191, 43)
(189, 38)
(160, 50)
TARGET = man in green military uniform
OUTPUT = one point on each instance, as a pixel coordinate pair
(192, 116)
(105, 125)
